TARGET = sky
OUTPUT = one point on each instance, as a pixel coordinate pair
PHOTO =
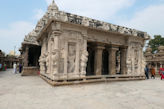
(19, 17)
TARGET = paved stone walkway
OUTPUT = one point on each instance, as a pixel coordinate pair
(32, 92)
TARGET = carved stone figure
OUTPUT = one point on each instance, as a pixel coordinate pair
(71, 58)
(55, 61)
(42, 61)
(84, 59)
(129, 65)
(136, 55)
(113, 27)
(47, 62)
(143, 64)
(85, 21)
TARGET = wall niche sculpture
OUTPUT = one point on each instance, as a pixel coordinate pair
(71, 57)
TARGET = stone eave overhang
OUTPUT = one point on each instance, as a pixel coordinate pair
(92, 28)
(24, 44)
(29, 43)
(43, 29)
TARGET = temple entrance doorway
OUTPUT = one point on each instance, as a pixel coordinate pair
(90, 63)
(33, 56)
(105, 63)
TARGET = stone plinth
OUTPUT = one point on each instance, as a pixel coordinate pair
(28, 71)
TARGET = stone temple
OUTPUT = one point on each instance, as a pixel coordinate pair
(69, 48)
(156, 59)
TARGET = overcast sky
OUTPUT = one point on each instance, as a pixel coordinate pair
(18, 17)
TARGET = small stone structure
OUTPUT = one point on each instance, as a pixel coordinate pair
(9, 60)
(30, 53)
(76, 48)
(156, 59)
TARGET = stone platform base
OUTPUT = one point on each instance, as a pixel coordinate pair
(28, 71)
(91, 79)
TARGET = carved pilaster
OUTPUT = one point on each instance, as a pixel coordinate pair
(55, 38)
(42, 63)
(55, 52)
(84, 58)
(112, 60)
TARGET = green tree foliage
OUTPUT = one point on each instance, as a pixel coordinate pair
(2, 53)
(156, 42)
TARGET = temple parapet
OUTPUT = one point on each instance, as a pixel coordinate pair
(55, 14)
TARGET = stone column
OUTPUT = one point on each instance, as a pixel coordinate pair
(123, 60)
(84, 57)
(26, 56)
(112, 60)
(98, 60)
(55, 53)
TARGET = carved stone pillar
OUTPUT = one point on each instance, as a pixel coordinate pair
(112, 60)
(42, 64)
(98, 60)
(55, 52)
(84, 58)
(26, 56)
(123, 60)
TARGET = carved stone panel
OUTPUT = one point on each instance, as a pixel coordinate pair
(135, 60)
(71, 57)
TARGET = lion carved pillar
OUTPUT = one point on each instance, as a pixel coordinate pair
(55, 53)
(84, 58)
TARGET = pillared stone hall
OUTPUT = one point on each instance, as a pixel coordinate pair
(68, 49)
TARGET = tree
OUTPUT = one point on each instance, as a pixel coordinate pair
(156, 42)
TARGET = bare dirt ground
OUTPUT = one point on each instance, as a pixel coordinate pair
(32, 92)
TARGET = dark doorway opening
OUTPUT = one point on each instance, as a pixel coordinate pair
(33, 55)
(105, 63)
(90, 63)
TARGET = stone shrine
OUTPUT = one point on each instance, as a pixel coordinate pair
(156, 59)
(76, 49)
